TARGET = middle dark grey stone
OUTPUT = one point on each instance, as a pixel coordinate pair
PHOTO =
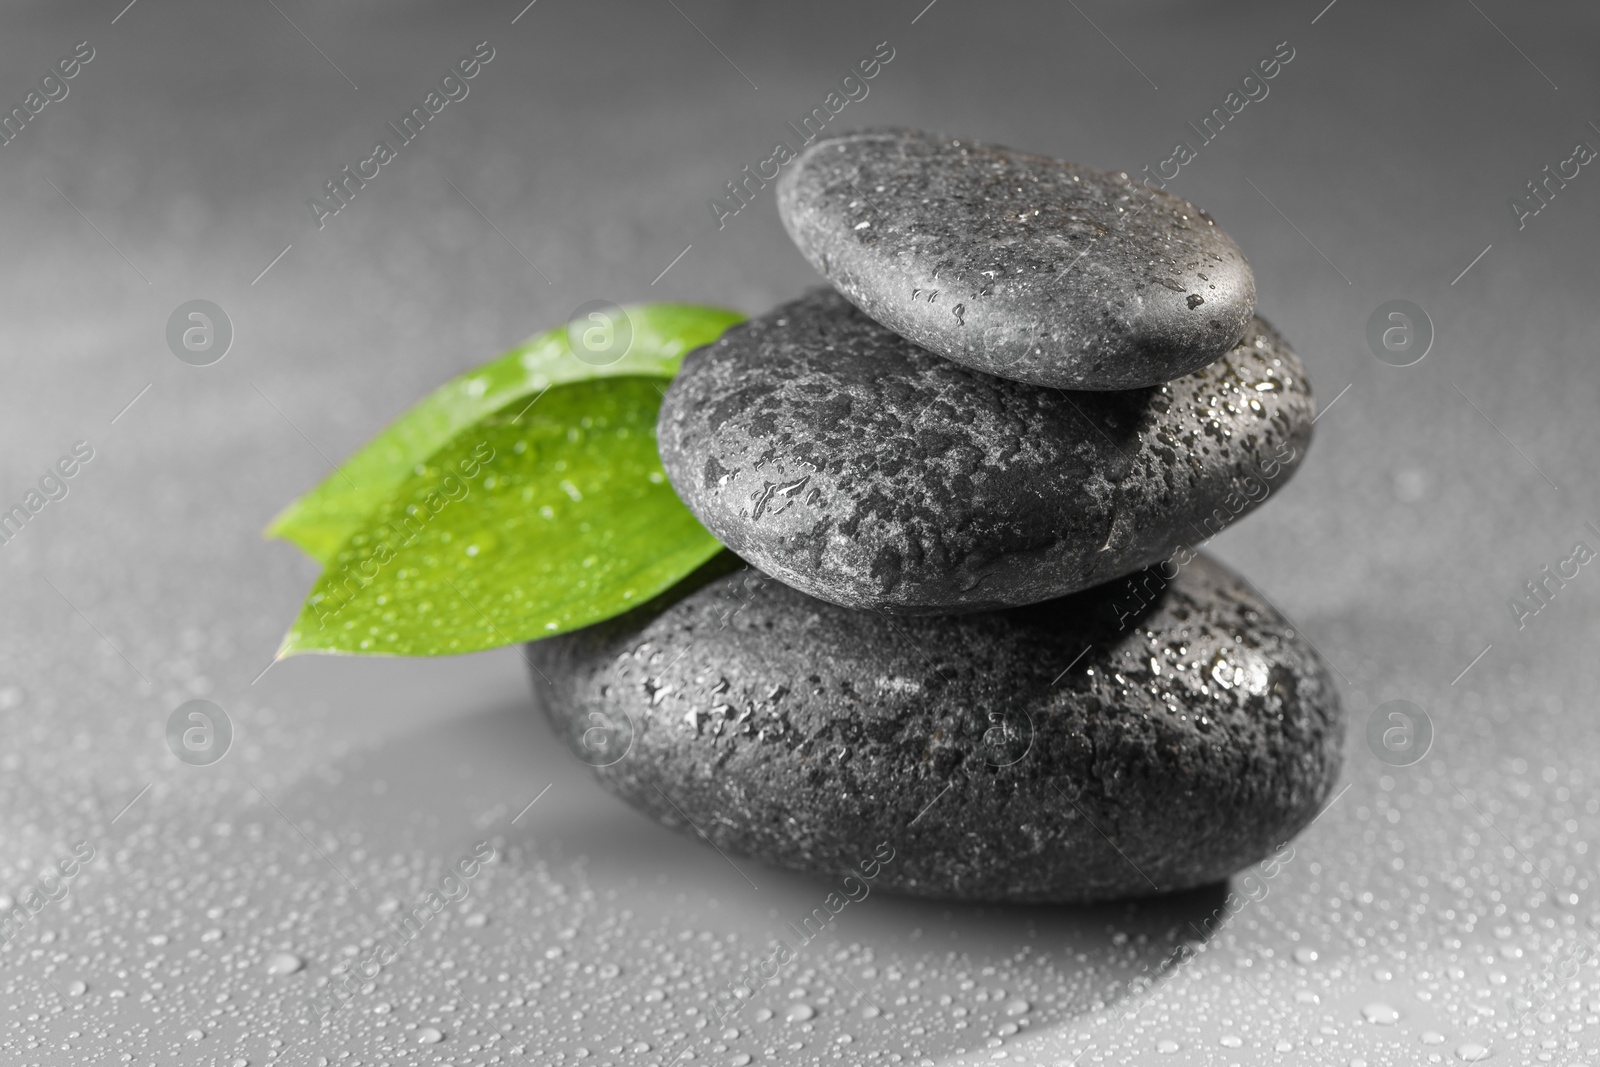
(850, 464)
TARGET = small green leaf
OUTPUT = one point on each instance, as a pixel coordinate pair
(536, 521)
(322, 520)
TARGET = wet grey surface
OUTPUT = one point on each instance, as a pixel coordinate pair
(1452, 892)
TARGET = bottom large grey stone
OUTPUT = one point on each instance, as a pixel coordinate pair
(1144, 736)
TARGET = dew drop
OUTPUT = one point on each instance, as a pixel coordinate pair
(1380, 1014)
(429, 1036)
(1471, 1052)
(799, 1013)
(284, 963)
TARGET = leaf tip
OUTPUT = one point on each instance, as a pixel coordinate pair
(288, 646)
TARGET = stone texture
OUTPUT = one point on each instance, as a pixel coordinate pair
(1019, 265)
(866, 471)
(1143, 736)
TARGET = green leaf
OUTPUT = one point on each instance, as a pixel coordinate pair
(661, 335)
(536, 521)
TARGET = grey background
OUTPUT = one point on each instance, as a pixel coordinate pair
(1447, 891)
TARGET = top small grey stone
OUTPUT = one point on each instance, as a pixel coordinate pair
(1019, 265)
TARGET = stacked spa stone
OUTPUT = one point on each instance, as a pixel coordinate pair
(965, 616)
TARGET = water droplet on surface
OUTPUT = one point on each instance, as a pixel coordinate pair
(740, 1060)
(1167, 1047)
(1231, 1041)
(1379, 1013)
(77, 989)
(284, 963)
(1305, 956)
(1432, 1037)
(1471, 1052)
(429, 1036)
(799, 1013)
(1018, 1006)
